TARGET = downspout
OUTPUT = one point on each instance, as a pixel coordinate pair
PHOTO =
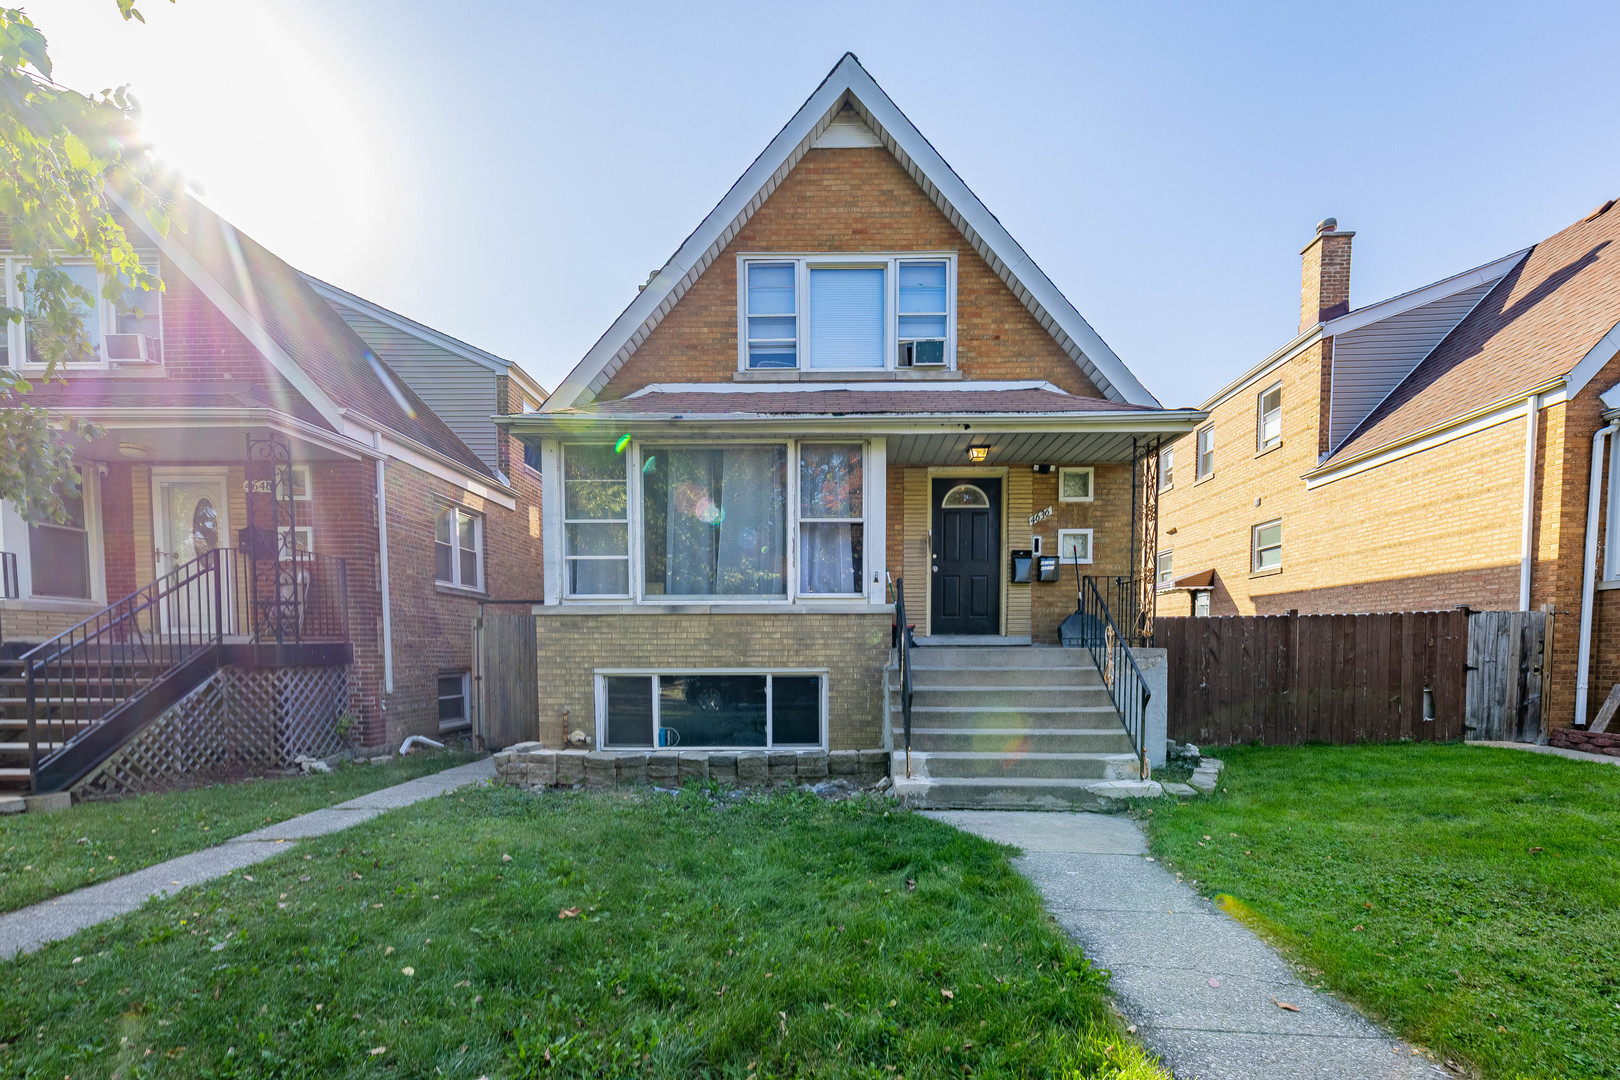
(1583, 671)
(382, 568)
(1528, 526)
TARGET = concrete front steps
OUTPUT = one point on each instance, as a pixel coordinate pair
(1010, 728)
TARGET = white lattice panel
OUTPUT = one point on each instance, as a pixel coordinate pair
(241, 721)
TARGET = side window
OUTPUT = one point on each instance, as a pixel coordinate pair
(1270, 418)
(1165, 572)
(1268, 546)
(1167, 468)
(458, 548)
(1205, 466)
(453, 711)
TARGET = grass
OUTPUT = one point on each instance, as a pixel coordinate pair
(495, 933)
(46, 855)
(1467, 896)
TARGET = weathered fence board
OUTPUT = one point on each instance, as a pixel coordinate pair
(508, 678)
(1290, 679)
(1506, 651)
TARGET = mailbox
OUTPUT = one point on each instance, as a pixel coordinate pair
(1022, 565)
(1048, 569)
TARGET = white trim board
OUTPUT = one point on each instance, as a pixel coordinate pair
(824, 387)
(849, 83)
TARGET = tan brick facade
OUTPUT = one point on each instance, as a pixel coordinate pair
(853, 649)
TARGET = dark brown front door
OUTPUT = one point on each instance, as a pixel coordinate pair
(966, 569)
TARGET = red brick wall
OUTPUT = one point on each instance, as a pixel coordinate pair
(849, 200)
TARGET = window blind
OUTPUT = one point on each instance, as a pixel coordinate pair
(846, 318)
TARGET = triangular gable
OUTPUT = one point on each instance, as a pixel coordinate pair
(849, 84)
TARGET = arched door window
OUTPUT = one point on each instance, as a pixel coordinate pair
(964, 495)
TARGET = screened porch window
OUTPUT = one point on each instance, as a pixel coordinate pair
(741, 710)
(831, 530)
(596, 520)
(714, 520)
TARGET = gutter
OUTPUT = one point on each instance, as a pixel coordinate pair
(1527, 528)
(1124, 422)
(382, 567)
(1583, 673)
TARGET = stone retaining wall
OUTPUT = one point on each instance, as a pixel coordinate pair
(1592, 742)
(523, 767)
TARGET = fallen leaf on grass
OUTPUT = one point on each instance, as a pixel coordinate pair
(407, 971)
(375, 1050)
(1537, 851)
(1285, 1005)
(506, 858)
(568, 913)
(948, 995)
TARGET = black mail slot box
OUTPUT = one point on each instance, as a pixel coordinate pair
(1021, 566)
(1049, 568)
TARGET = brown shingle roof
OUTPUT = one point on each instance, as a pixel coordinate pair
(852, 403)
(1535, 325)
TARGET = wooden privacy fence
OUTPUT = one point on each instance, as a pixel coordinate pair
(1290, 679)
(1506, 652)
(508, 673)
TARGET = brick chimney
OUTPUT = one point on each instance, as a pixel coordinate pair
(1324, 283)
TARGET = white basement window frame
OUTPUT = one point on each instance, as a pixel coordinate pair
(458, 547)
(121, 334)
(1077, 484)
(455, 713)
(778, 332)
(650, 689)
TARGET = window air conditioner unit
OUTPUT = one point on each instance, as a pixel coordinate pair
(922, 354)
(134, 349)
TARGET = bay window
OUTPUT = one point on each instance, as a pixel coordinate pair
(846, 312)
(596, 520)
(710, 710)
(714, 521)
(831, 531)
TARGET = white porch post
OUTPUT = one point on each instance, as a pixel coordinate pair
(877, 528)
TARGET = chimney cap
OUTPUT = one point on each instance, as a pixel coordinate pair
(1327, 225)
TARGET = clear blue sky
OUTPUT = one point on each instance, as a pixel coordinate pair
(509, 172)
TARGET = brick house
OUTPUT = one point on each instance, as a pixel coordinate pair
(356, 412)
(1448, 446)
(849, 382)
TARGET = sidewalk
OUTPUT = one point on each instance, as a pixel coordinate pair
(52, 920)
(1201, 989)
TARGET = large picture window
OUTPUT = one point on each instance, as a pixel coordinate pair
(831, 531)
(711, 710)
(596, 520)
(714, 520)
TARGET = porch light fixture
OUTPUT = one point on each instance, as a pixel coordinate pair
(977, 454)
(131, 450)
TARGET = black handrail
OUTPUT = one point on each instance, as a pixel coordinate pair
(905, 644)
(1111, 652)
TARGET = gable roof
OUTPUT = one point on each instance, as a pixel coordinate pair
(849, 83)
(1554, 315)
(300, 334)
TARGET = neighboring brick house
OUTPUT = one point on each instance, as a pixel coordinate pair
(849, 377)
(376, 410)
(1434, 449)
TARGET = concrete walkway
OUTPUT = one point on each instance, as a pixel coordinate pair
(52, 920)
(1198, 985)
(1555, 751)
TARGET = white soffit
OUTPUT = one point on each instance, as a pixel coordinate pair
(849, 84)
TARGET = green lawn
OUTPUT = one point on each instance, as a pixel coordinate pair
(45, 855)
(1470, 897)
(496, 933)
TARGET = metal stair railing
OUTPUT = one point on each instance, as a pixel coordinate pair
(1111, 652)
(905, 645)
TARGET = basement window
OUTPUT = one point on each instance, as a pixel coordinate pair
(710, 710)
(453, 712)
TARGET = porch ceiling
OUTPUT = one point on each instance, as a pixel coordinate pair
(221, 441)
(1032, 447)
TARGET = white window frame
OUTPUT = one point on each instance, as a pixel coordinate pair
(457, 512)
(1167, 468)
(1200, 453)
(632, 491)
(1091, 483)
(804, 262)
(106, 317)
(1091, 550)
(1261, 445)
(1201, 599)
(1164, 573)
(1255, 549)
(466, 701)
(603, 674)
(796, 545)
(14, 537)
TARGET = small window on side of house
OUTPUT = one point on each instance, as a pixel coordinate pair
(1267, 546)
(1164, 572)
(1076, 484)
(1204, 466)
(1201, 603)
(453, 711)
(1269, 405)
(458, 548)
(1167, 468)
(1074, 546)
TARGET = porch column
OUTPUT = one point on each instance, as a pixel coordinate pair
(876, 540)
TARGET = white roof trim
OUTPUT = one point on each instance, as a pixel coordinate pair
(250, 326)
(849, 81)
(818, 387)
(1594, 360)
(407, 325)
(1428, 294)
(1266, 366)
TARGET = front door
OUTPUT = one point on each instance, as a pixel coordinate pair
(966, 569)
(189, 523)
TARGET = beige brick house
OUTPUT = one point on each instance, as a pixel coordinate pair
(1448, 446)
(849, 381)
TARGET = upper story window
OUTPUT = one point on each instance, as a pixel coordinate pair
(1269, 407)
(1204, 466)
(1266, 546)
(1164, 572)
(458, 548)
(846, 312)
(1167, 468)
(123, 332)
